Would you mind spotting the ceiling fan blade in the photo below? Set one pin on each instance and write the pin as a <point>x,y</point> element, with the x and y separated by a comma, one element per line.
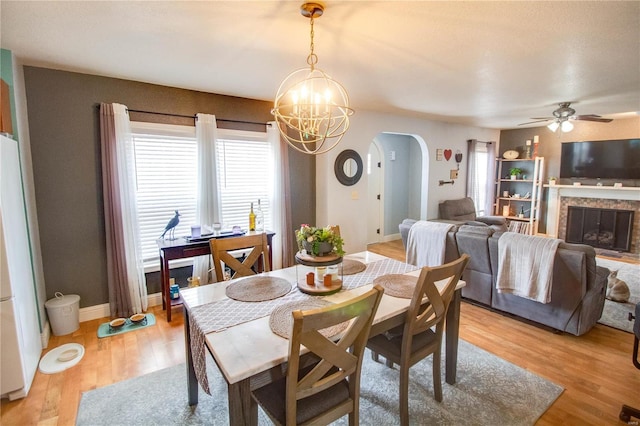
<point>592,117</point>
<point>537,121</point>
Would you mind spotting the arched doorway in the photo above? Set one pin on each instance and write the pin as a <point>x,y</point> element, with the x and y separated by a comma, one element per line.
<point>398,188</point>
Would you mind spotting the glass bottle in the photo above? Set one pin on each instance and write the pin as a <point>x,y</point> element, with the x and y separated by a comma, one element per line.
<point>252,219</point>
<point>259,218</point>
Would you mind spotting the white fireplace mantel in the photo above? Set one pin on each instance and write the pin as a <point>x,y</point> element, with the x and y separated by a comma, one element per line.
<point>582,191</point>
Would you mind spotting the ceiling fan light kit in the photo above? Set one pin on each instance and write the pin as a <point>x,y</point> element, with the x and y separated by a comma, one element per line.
<point>311,109</point>
<point>563,116</point>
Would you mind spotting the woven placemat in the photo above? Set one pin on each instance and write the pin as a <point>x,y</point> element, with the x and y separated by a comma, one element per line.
<point>281,320</point>
<point>397,285</point>
<point>258,289</point>
<point>350,266</point>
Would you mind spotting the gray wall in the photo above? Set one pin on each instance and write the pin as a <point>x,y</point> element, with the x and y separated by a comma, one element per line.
<point>551,143</point>
<point>65,146</point>
<point>402,180</point>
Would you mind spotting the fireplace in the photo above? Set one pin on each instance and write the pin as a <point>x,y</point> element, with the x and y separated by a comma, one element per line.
<point>602,228</point>
<point>561,197</point>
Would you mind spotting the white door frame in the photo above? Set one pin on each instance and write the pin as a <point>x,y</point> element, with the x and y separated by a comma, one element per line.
<point>376,207</point>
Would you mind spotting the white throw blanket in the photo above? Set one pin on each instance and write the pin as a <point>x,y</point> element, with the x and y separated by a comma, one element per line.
<point>525,265</point>
<point>426,243</point>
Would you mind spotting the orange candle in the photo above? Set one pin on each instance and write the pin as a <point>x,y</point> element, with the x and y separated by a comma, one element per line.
<point>327,280</point>
<point>310,278</point>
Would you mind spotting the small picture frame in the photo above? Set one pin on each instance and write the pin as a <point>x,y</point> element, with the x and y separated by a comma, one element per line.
<point>439,154</point>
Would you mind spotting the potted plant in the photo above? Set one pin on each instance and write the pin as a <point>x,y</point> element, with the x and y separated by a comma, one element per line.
<point>319,241</point>
<point>514,172</point>
<point>552,180</point>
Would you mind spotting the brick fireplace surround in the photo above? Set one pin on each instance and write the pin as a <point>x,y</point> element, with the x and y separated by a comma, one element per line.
<point>606,197</point>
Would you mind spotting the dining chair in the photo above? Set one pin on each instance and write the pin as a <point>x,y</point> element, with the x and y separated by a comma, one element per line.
<point>330,388</point>
<point>416,339</point>
<point>222,252</point>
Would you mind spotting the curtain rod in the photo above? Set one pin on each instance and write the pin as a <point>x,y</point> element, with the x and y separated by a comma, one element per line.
<point>471,140</point>
<point>193,117</point>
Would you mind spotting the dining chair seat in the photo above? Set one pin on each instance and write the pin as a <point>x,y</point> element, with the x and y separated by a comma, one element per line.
<point>391,342</point>
<point>273,401</point>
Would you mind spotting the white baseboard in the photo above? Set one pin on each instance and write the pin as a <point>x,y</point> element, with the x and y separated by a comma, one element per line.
<point>45,335</point>
<point>391,237</point>
<point>101,311</point>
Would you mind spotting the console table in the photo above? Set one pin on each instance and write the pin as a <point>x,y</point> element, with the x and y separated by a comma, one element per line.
<point>181,248</point>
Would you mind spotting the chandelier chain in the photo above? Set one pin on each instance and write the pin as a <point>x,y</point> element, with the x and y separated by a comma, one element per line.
<point>312,59</point>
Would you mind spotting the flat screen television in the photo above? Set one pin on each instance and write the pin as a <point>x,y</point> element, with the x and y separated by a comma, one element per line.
<point>609,159</point>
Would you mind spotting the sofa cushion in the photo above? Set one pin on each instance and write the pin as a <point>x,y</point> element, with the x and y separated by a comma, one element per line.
<point>462,209</point>
<point>478,274</point>
<point>485,230</point>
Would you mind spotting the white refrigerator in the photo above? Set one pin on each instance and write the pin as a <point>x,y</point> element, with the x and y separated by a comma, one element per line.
<point>20,344</point>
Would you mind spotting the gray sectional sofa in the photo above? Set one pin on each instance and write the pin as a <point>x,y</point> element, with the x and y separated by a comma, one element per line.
<point>578,286</point>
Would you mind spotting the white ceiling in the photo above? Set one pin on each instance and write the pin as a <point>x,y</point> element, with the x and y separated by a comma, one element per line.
<point>488,64</point>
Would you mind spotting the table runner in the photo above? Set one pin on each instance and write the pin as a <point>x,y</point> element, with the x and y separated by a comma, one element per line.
<point>219,315</point>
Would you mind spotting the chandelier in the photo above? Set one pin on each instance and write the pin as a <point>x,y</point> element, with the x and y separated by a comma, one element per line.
<point>311,109</point>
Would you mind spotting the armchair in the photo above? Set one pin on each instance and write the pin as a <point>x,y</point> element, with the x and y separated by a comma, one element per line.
<point>464,210</point>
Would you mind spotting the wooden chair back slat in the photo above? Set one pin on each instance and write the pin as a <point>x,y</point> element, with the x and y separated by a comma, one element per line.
<point>258,256</point>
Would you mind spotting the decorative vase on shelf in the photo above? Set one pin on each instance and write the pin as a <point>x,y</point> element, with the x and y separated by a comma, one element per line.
<point>513,177</point>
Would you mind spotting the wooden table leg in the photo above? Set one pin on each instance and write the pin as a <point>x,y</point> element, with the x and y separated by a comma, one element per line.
<point>166,299</point>
<point>163,275</point>
<point>192,381</point>
<point>451,336</point>
<point>243,410</point>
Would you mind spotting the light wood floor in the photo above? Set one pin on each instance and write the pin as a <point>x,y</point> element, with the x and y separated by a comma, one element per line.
<point>595,369</point>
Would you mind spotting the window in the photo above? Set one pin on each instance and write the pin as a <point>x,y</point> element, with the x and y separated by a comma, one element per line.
<point>166,159</point>
<point>478,191</point>
<point>166,176</point>
<point>245,174</point>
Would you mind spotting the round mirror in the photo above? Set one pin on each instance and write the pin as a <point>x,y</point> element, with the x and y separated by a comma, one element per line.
<point>348,167</point>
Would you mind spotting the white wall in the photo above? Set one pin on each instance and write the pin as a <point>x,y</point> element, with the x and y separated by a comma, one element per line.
<point>334,202</point>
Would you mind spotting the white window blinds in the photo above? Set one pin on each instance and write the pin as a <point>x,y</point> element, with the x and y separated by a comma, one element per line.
<point>245,176</point>
<point>166,176</point>
<point>166,179</point>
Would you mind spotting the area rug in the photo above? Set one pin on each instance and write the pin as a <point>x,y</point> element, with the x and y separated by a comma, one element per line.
<point>616,314</point>
<point>104,330</point>
<point>489,391</point>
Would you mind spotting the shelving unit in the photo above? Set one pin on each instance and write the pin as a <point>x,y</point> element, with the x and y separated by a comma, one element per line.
<point>531,184</point>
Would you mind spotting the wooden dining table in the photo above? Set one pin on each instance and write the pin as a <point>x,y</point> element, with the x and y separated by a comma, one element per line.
<point>249,355</point>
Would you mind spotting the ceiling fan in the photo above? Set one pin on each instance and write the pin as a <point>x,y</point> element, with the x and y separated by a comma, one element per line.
<point>563,114</point>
